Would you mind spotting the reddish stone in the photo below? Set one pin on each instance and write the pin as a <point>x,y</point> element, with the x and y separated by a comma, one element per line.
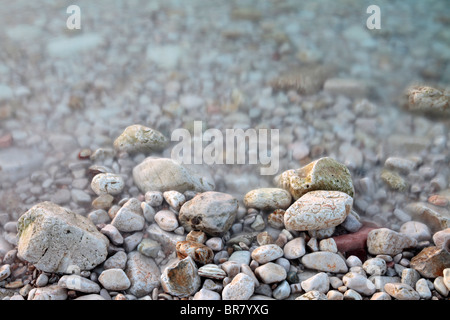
<point>356,240</point>
<point>6,141</point>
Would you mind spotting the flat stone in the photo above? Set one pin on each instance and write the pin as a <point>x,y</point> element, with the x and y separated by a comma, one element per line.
<point>143,273</point>
<point>436,218</point>
<point>386,241</point>
<point>318,282</point>
<point>401,291</point>
<point>241,257</point>
<point>211,212</point>
<point>140,139</point>
<point>78,283</point>
<point>53,238</point>
<point>270,273</point>
<point>164,174</point>
<point>324,261</point>
<point>442,239</point>
<point>114,279</point>
<point>129,218</point>
<point>267,253</point>
<point>268,199</point>
<point>322,174</point>
<point>181,279</point>
<point>240,288</point>
<point>295,248</point>
<point>107,183</point>
<point>318,210</point>
<point>431,262</point>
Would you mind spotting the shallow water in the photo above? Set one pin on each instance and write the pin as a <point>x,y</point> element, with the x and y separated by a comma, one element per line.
<point>165,64</point>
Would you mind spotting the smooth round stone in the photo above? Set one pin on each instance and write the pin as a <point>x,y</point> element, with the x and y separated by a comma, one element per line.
<point>268,199</point>
<point>114,279</point>
<point>270,273</point>
<point>295,248</point>
<point>318,282</point>
<point>5,271</point>
<point>78,283</point>
<point>140,139</point>
<point>117,261</point>
<point>440,286</point>
<point>335,295</point>
<point>380,296</point>
<point>215,243</point>
<point>107,183</point>
<point>174,198</point>
<point>351,294</point>
<point>266,253</point>
<point>318,210</point>
<point>416,230</point>
<point>354,261</point>
<point>166,220</point>
<point>375,266</point>
<point>212,271</point>
<point>422,289</point>
<point>387,241</point>
<point>324,261</point>
<point>359,283</point>
<point>113,234</point>
<point>446,275</point>
<point>401,291</point>
<point>240,288</point>
<point>154,198</point>
<point>328,245</point>
<point>241,257</point>
<point>149,247</point>
<point>282,291</point>
<point>206,294</point>
<point>130,217</point>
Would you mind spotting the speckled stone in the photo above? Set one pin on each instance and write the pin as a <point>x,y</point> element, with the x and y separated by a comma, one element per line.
<point>324,261</point>
<point>266,253</point>
<point>401,291</point>
<point>270,273</point>
<point>140,139</point>
<point>240,288</point>
<point>268,199</point>
<point>181,279</point>
<point>386,241</point>
<point>318,210</point>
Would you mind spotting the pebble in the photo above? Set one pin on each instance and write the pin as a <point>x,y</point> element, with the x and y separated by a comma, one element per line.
<point>282,291</point>
<point>42,280</point>
<point>91,296</point>
<point>270,273</point>
<point>441,238</point>
<point>422,289</point>
<point>400,164</point>
<point>143,273</point>
<point>154,198</point>
<point>430,262</point>
<point>181,278</point>
<point>322,174</point>
<point>416,230</point>
<point>351,294</point>
<point>240,288</point>
<point>200,253</point>
<point>241,257</point>
<point>215,243</point>
<point>78,283</point>
<point>268,199</point>
<point>393,180</point>
<point>267,253</point>
<point>5,271</point>
<point>212,271</point>
<point>324,261</point>
<point>318,210</point>
<point>410,277</point>
<point>386,241</point>
<point>114,279</point>
<point>351,223</point>
<point>99,216</point>
<point>446,277</point>
<point>328,245</point>
<point>359,283</point>
<point>148,212</point>
<point>80,197</point>
<point>61,196</point>
<point>401,291</point>
<point>53,292</point>
<point>140,139</point>
<point>380,296</point>
<point>129,218</point>
<point>113,234</point>
<point>232,268</point>
<point>276,219</point>
<point>295,248</point>
<point>131,242</point>
<point>334,295</point>
<point>103,201</point>
<point>107,183</point>
<point>312,295</point>
<point>205,294</point>
<point>353,261</point>
<point>149,248</point>
<point>166,220</point>
<point>210,212</point>
<point>438,200</point>
<point>440,286</point>
<point>375,266</point>
<point>175,199</point>
<point>116,261</point>
<point>318,282</point>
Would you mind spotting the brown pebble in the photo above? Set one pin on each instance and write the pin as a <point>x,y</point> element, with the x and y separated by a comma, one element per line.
<point>438,200</point>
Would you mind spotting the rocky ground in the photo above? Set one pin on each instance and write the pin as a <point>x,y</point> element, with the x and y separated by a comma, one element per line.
<point>87,211</point>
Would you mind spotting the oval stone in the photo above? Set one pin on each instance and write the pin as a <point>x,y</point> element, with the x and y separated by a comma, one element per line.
<point>268,199</point>
<point>324,261</point>
<point>266,253</point>
<point>318,210</point>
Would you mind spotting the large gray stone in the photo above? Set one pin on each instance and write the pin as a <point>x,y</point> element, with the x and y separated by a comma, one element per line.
<point>54,238</point>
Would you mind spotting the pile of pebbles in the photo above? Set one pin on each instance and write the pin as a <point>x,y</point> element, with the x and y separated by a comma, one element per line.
<point>179,239</point>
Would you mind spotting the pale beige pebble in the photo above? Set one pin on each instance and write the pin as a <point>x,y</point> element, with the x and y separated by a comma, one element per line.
<point>318,282</point>
<point>423,289</point>
<point>78,283</point>
<point>295,248</point>
<point>197,236</point>
<point>359,283</point>
<point>129,217</point>
<point>266,253</point>
<point>114,279</point>
<point>313,244</point>
<point>140,139</point>
<point>353,261</point>
<point>401,291</point>
<point>380,296</point>
<point>270,273</point>
<point>205,294</point>
<point>312,295</point>
<point>351,294</point>
<point>52,292</point>
<point>174,198</point>
<point>318,210</point>
<point>440,286</point>
<point>107,183</point>
<point>335,295</point>
<point>268,199</point>
<point>166,220</point>
<point>240,288</point>
<point>401,164</point>
<point>5,271</point>
<point>335,282</point>
<point>416,230</point>
<point>446,275</point>
<point>212,271</point>
<point>324,261</point>
<point>441,237</point>
<point>375,266</point>
<point>387,241</point>
<point>328,245</point>
<point>428,100</point>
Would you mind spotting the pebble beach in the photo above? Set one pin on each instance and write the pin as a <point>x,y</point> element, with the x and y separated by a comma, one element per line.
<point>94,207</point>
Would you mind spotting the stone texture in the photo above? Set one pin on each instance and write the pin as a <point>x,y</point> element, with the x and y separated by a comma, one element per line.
<point>428,100</point>
<point>324,261</point>
<point>168,240</point>
<point>53,292</point>
<point>386,241</point>
<point>422,289</point>
<point>431,262</point>
<point>211,212</point>
<point>359,283</point>
<point>198,252</point>
<point>166,220</point>
<point>107,183</point>
<point>53,238</point>
<point>212,271</point>
<point>312,295</point>
<point>78,283</point>
<point>240,288</point>
<point>267,253</point>
<point>375,266</point>
<point>322,174</point>
<point>181,278</point>
<point>295,248</point>
<point>143,273</point>
<point>318,210</point>
<point>140,139</point>
<point>164,174</point>
<point>268,199</point>
<point>270,273</point>
<point>129,218</point>
<point>416,230</point>
<point>401,291</point>
<point>434,217</point>
<point>442,239</point>
<point>114,279</point>
<point>318,282</point>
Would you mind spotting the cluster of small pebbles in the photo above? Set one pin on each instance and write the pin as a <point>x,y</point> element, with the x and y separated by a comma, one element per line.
<point>93,207</point>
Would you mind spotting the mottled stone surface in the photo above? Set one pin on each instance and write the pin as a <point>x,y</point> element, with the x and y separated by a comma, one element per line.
<point>431,262</point>
<point>322,174</point>
<point>240,288</point>
<point>268,199</point>
<point>324,261</point>
<point>181,279</point>
<point>143,273</point>
<point>137,138</point>
<point>198,252</point>
<point>318,210</point>
<point>387,241</point>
